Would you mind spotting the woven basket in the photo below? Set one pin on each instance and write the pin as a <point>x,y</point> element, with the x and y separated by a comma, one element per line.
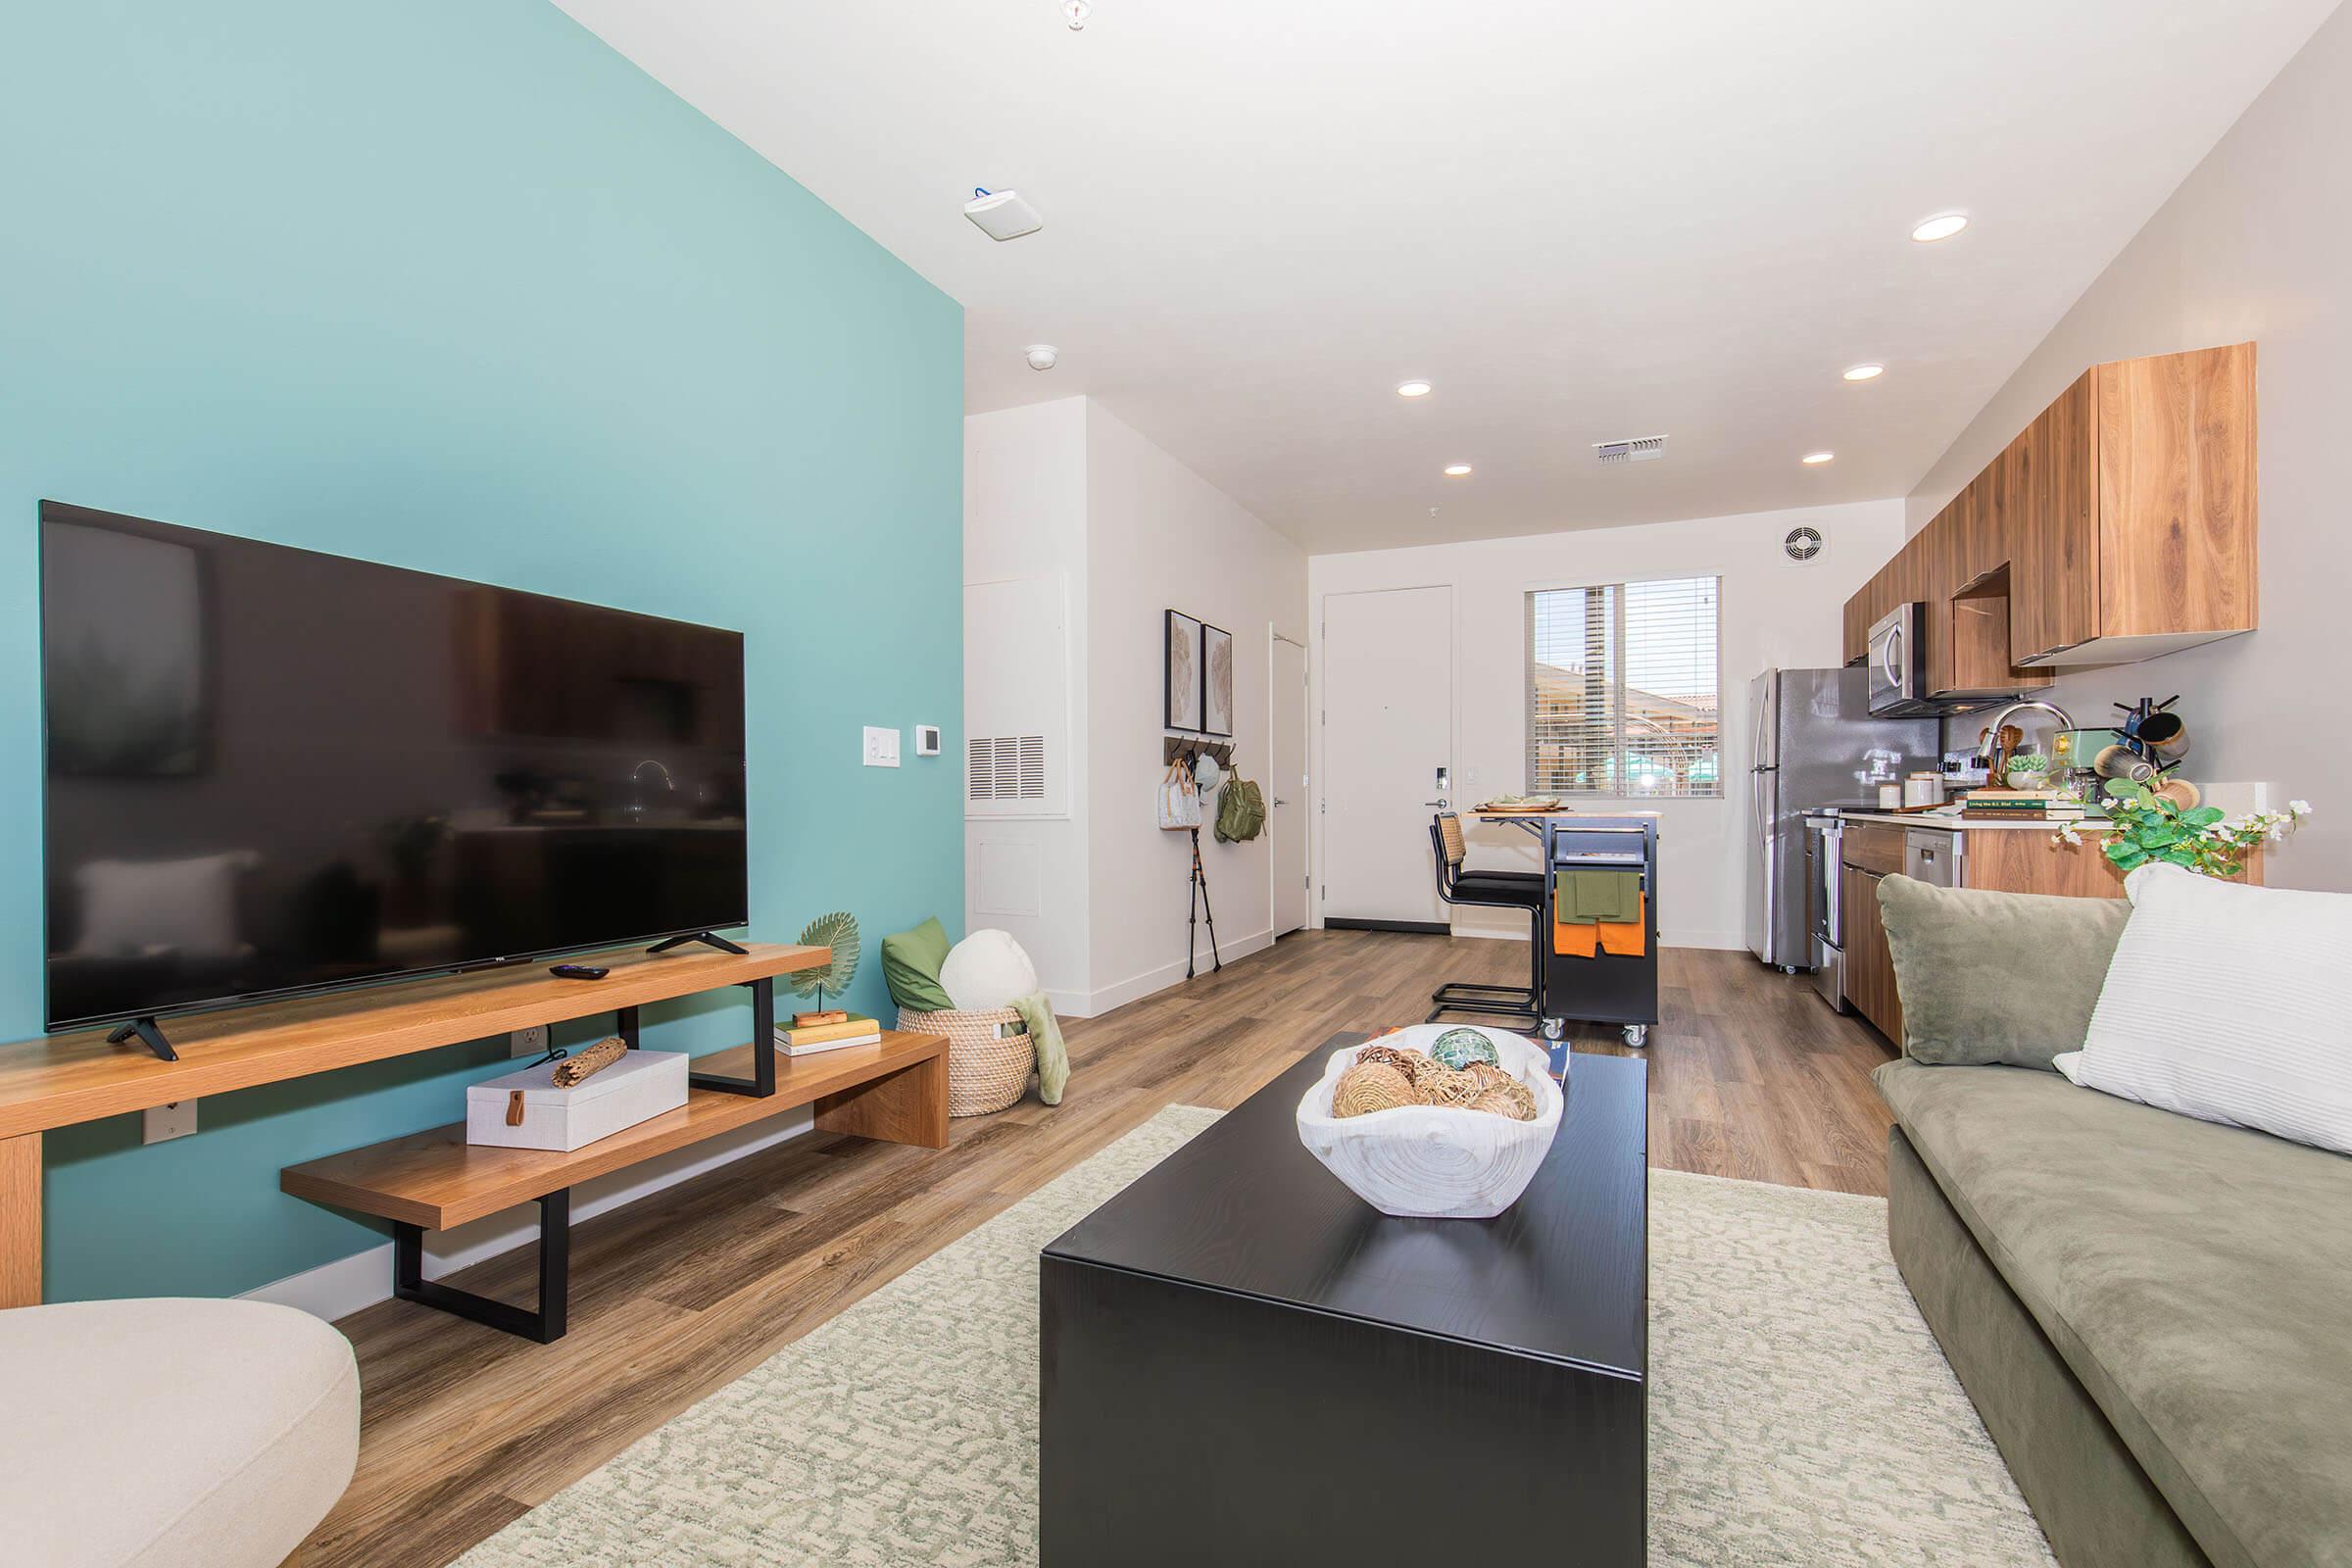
<point>986,1068</point>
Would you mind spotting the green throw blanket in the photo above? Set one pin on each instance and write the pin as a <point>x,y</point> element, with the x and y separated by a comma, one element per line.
<point>1581,898</point>
<point>1053,1057</point>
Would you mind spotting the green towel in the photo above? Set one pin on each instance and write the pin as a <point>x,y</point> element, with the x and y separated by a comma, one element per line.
<point>1581,897</point>
<point>1053,1057</point>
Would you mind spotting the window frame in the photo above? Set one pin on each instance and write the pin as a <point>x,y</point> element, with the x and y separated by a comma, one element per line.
<point>1620,652</point>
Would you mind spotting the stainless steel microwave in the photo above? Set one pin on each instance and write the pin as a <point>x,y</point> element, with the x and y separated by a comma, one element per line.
<point>1898,670</point>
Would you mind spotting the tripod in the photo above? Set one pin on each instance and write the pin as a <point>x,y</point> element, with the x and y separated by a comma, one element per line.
<point>1195,907</point>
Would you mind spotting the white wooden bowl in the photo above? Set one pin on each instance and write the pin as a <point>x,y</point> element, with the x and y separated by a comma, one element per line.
<point>1435,1161</point>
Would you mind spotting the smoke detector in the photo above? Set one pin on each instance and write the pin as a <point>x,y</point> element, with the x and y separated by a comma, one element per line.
<point>1634,449</point>
<point>1002,215</point>
<point>1803,543</point>
<point>1042,356</point>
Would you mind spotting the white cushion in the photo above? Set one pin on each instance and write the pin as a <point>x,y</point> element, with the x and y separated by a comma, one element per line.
<point>2227,1004</point>
<point>194,1433</point>
<point>985,971</point>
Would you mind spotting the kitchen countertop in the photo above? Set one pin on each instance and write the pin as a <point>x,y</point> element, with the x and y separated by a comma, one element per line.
<point>1954,824</point>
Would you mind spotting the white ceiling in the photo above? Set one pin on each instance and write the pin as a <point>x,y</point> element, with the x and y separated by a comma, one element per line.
<point>1581,221</point>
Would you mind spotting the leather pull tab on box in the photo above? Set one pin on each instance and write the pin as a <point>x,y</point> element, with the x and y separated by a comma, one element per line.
<point>514,1108</point>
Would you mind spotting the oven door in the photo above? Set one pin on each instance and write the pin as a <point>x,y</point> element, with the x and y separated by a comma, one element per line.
<point>1825,852</point>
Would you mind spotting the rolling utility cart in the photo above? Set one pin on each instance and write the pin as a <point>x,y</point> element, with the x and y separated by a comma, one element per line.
<point>1619,988</point>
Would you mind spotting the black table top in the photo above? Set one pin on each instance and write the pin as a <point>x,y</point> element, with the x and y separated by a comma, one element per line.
<point>1561,1274</point>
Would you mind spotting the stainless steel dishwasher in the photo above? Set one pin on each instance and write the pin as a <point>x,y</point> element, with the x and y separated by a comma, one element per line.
<point>1934,856</point>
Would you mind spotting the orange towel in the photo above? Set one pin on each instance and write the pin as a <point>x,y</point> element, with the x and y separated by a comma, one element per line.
<point>1576,941</point>
<point>1626,938</point>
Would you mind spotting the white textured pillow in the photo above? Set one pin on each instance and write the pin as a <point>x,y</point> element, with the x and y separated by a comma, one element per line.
<point>143,909</point>
<point>2228,1004</point>
<point>985,971</point>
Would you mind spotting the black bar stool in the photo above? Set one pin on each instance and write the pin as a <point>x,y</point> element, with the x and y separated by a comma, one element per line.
<point>1502,890</point>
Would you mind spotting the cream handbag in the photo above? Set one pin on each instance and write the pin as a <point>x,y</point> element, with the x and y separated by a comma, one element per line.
<point>1179,800</point>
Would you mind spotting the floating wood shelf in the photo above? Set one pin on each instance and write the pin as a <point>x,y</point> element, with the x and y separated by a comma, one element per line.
<point>435,1179</point>
<point>78,1077</point>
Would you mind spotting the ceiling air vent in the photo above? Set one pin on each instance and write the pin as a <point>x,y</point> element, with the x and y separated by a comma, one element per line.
<point>1802,544</point>
<point>1634,449</point>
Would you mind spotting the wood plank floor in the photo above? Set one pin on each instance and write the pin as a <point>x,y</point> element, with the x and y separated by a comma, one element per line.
<point>463,1428</point>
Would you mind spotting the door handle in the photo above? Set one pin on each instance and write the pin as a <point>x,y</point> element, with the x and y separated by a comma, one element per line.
<point>1279,800</point>
<point>1440,800</point>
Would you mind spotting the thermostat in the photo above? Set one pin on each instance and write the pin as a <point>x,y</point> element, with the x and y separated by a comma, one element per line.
<point>926,740</point>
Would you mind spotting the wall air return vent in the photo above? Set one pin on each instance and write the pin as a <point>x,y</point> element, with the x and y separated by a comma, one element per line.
<point>1634,449</point>
<point>1005,767</point>
<point>1803,543</point>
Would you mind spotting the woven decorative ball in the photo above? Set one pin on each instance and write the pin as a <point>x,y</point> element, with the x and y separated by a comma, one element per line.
<point>1411,1063</point>
<point>1370,1086</point>
<point>1460,1048</point>
<point>1442,1086</point>
<point>1513,1099</point>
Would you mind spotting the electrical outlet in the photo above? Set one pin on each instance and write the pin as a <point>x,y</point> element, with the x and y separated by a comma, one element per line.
<point>531,1042</point>
<point>163,1123</point>
<point>881,747</point>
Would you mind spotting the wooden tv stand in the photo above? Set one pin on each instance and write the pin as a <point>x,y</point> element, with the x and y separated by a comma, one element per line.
<point>74,1078</point>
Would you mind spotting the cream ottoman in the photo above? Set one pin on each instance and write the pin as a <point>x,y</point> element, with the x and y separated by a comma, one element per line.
<point>170,1434</point>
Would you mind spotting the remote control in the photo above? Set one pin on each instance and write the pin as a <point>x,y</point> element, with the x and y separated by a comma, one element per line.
<point>578,971</point>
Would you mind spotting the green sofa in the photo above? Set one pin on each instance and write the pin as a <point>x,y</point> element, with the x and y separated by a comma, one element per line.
<point>2153,1314</point>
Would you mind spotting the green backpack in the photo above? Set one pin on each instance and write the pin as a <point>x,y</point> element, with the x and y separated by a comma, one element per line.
<point>1240,811</point>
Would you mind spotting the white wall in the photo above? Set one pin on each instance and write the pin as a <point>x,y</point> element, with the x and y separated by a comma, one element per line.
<point>2256,243</point>
<point>1159,537</point>
<point>1774,615</point>
<point>1024,516</point>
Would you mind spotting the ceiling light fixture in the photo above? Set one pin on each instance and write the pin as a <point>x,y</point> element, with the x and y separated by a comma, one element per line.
<point>1943,225</point>
<point>1042,356</point>
<point>1817,459</point>
<point>1412,389</point>
<point>1864,372</point>
<point>1454,470</point>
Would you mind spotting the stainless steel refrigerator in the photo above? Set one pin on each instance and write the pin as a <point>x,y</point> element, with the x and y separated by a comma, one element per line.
<point>1815,745</point>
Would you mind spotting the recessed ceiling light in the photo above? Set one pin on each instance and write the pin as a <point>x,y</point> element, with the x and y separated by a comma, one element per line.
<point>1412,389</point>
<point>1819,457</point>
<point>1454,470</point>
<point>1943,225</point>
<point>1864,372</point>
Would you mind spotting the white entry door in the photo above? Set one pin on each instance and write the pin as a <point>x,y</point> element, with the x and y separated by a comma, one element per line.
<point>1286,784</point>
<point>1388,737</point>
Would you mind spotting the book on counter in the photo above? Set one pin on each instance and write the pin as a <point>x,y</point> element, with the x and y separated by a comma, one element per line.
<point>806,1040</point>
<point>2022,806</point>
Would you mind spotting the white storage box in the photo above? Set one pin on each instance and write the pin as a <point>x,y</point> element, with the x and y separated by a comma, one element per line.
<point>640,1086</point>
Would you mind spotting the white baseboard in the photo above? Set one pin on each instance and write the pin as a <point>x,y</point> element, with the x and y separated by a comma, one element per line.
<point>1718,941</point>
<point>1143,985</point>
<point>1071,1004</point>
<point>343,1287</point>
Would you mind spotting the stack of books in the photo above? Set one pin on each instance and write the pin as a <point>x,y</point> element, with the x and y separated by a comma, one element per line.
<point>2001,804</point>
<point>812,1031</point>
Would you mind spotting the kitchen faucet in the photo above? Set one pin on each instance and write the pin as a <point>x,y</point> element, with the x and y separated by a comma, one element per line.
<point>1996,764</point>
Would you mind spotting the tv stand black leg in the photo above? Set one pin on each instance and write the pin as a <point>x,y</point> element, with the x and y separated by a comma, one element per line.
<point>707,938</point>
<point>545,1324</point>
<point>149,1034</point>
<point>762,1081</point>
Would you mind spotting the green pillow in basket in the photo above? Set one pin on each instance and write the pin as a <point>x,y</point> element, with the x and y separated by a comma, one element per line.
<point>910,962</point>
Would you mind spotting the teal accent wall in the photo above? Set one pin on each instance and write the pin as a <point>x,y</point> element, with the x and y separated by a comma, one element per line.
<point>450,284</point>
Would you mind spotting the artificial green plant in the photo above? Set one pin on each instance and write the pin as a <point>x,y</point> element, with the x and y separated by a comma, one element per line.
<point>2202,838</point>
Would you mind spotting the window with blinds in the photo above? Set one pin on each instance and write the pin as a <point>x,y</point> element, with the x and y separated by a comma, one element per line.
<point>1622,685</point>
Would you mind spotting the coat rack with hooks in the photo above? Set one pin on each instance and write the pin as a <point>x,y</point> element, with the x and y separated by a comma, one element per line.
<point>1190,748</point>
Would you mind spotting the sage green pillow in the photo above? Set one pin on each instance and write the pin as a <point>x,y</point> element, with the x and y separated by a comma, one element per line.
<point>2006,978</point>
<point>911,961</point>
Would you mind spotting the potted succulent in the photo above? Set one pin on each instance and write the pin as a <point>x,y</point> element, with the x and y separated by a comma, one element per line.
<point>2202,838</point>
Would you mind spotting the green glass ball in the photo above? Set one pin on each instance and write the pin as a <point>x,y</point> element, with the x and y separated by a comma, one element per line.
<point>1460,1048</point>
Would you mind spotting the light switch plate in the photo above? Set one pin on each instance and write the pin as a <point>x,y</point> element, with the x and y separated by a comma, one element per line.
<point>160,1124</point>
<point>881,747</point>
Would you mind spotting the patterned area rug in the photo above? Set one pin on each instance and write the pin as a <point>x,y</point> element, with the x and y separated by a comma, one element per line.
<point>1799,1411</point>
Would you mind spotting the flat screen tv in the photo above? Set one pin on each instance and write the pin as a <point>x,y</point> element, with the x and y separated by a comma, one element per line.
<point>271,772</point>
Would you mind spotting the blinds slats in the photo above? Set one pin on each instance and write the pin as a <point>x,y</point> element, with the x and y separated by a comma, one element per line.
<point>1623,686</point>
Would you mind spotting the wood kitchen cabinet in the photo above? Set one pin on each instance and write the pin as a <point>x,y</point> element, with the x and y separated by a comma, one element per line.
<point>2118,526</point>
<point>1869,967</point>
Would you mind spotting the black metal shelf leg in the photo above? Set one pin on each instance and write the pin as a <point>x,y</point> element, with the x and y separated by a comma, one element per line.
<point>546,1325</point>
<point>762,1082</point>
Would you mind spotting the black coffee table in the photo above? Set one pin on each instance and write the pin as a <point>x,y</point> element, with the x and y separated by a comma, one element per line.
<point>1243,1362</point>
